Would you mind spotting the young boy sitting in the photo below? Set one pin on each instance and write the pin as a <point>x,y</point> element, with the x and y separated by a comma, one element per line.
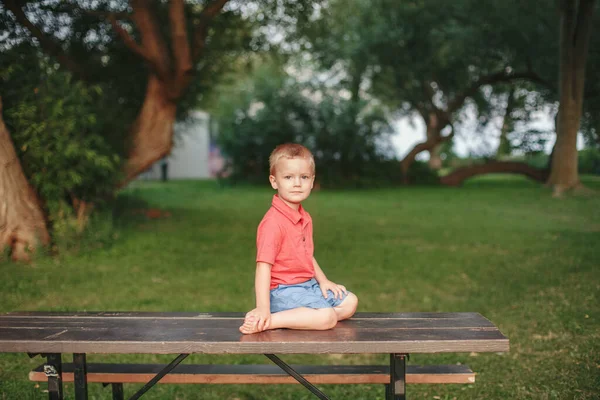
<point>291,289</point>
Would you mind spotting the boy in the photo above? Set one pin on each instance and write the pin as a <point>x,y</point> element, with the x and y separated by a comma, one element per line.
<point>291,289</point>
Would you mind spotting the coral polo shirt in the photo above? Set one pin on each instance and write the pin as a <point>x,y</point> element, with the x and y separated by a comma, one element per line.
<point>285,240</point>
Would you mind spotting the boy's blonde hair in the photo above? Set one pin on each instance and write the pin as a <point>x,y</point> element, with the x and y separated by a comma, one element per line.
<point>290,150</point>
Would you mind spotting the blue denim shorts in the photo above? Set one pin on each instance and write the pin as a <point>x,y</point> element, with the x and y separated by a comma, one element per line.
<point>304,294</point>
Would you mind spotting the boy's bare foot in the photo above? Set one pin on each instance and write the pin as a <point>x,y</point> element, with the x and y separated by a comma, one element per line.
<point>250,325</point>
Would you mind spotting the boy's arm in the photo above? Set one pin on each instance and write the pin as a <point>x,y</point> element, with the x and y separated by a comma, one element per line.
<point>326,284</point>
<point>319,274</point>
<point>262,289</point>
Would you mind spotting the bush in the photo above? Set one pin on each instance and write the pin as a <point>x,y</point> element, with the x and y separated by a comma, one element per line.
<point>65,150</point>
<point>349,140</point>
<point>420,173</point>
<point>589,161</point>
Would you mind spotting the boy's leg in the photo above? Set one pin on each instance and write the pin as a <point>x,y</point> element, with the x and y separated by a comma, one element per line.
<point>297,318</point>
<point>347,308</point>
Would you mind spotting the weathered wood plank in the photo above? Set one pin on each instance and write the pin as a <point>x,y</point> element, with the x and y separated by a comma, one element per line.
<point>263,374</point>
<point>207,324</point>
<point>226,315</point>
<point>225,341</point>
<point>172,333</point>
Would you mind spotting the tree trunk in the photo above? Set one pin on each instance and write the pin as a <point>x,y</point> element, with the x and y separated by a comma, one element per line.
<point>22,222</point>
<point>458,176</point>
<point>434,140</point>
<point>435,159</point>
<point>575,32</point>
<point>434,129</point>
<point>504,148</point>
<point>152,132</point>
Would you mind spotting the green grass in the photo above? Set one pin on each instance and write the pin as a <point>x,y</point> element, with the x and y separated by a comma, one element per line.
<point>499,245</point>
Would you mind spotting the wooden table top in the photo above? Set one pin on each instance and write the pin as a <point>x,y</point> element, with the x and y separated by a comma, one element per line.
<point>217,333</point>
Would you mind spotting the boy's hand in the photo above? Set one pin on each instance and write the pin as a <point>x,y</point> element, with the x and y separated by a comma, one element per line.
<point>263,318</point>
<point>338,290</point>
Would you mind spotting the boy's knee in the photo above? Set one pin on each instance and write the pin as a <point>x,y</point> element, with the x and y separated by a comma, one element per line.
<point>352,303</point>
<point>328,318</point>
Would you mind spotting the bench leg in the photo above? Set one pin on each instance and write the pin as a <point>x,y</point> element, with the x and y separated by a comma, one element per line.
<point>117,391</point>
<point>53,370</point>
<point>80,376</point>
<point>313,389</point>
<point>159,376</point>
<point>397,386</point>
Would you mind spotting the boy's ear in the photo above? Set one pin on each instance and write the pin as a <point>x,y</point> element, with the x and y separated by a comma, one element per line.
<point>273,182</point>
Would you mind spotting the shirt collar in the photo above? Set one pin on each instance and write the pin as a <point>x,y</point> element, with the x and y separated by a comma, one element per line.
<point>289,212</point>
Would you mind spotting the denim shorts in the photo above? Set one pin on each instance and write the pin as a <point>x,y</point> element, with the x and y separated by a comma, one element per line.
<point>304,294</point>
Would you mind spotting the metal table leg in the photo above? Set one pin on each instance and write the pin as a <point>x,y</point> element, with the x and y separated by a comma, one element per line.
<point>297,376</point>
<point>159,376</point>
<point>397,387</point>
<point>80,376</point>
<point>53,370</point>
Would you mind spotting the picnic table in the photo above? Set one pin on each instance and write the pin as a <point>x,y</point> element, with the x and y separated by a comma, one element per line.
<point>52,334</point>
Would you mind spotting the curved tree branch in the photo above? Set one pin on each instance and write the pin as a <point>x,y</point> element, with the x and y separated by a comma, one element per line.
<point>457,177</point>
<point>153,43</point>
<point>127,39</point>
<point>429,144</point>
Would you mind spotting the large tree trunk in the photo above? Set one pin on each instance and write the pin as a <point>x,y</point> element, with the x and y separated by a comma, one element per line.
<point>152,132</point>
<point>22,222</point>
<point>458,176</point>
<point>435,159</point>
<point>434,140</point>
<point>575,31</point>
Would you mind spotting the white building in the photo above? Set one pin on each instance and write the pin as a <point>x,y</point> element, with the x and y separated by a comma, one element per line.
<point>194,154</point>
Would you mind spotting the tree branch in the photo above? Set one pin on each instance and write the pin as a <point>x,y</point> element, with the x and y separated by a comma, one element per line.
<point>180,45</point>
<point>51,46</point>
<point>212,9</point>
<point>491,79</point>
<point>201,31</point>
<point>456,177</point>
<point>152,42</point>
<point>127,39</point>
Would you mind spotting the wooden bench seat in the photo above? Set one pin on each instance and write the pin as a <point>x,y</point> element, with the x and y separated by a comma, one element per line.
<point>262,374</point>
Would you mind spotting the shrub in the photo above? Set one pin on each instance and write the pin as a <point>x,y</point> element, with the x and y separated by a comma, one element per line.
<point>65,149</point>
<point>420,173</point>
<point>350,140</point>
<point>589,161</point>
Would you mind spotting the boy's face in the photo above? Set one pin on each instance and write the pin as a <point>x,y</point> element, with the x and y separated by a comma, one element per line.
<point>293,180</point>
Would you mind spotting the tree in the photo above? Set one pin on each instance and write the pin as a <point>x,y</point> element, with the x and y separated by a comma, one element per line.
<point>170,61</point>
<point>158,58</point>
<point>434,58</point>
<point>575,32</point>
<point>63,147</point>
<point>22,224</point>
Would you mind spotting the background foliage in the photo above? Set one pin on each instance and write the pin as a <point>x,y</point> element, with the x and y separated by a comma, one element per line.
<point>68,150</point>
<point>351,140</point>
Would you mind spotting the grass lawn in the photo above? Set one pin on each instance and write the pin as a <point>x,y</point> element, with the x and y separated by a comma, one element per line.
<point>500,246</point>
